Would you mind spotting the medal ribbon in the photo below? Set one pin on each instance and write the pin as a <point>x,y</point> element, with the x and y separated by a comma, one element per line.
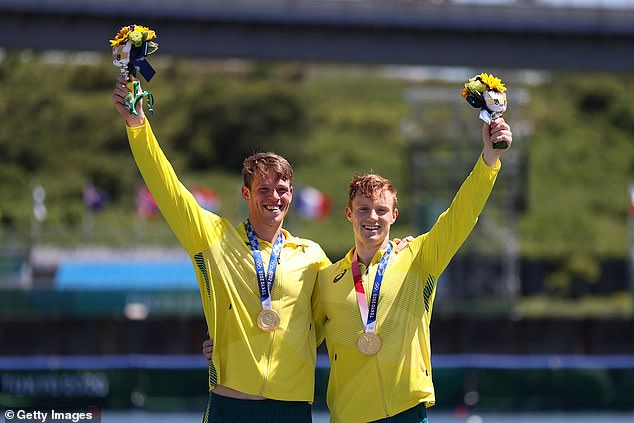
<point>138,61</point>
<point>368,314</point>
<point>265,281</point>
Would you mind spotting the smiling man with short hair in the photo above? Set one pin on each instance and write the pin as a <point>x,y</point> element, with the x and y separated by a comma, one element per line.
<point>256,282</point>
<point>378,305</point>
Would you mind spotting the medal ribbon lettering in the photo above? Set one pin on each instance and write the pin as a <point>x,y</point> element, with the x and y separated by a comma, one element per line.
<point>368,315</point>
<point>265,281</point>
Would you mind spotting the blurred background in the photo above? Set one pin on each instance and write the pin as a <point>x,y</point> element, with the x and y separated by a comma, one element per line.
<point>533,319</point>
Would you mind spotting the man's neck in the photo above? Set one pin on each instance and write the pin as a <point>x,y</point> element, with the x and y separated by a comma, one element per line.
<point>266,233</point>
<point>367,252</point>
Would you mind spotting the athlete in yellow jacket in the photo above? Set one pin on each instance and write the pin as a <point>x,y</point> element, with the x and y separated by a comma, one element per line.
<point>262,368</point>
<point>378,305</point>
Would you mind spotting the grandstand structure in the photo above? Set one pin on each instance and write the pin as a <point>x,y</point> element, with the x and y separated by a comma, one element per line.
<point>444,141</point>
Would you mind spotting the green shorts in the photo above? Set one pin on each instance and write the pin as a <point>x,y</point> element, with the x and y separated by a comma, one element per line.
<point>416,414</point>
<point>225,409</point>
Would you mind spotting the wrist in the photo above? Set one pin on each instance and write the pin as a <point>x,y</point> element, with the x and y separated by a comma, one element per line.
<point>490,158</point>
<point>134,121</point>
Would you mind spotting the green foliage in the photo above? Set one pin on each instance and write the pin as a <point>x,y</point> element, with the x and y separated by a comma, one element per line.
<point>581,164</point>
<point>615,306</point>
<point>233,123</point>
<point>61,130</point>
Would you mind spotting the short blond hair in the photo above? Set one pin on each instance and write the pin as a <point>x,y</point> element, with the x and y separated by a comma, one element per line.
<point>370,185</point>
<point>263,163</point>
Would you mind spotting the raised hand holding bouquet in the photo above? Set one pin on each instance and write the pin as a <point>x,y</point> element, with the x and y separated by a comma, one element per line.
<point>487,93</point>
<point>130,47</point>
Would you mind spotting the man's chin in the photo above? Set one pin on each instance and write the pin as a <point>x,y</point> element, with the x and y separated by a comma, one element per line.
<point>276,218</point>
<point>373,238</point>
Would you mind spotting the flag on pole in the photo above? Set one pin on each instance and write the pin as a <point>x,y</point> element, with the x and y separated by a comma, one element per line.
<point>311,203</point>
<point>206,198</point>
<point>632,200</point>
<point>145,204</point>
<point>95,198</point>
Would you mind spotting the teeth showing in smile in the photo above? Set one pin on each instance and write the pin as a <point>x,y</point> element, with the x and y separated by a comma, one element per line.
<point>371,228</point>
<point>272,208</point>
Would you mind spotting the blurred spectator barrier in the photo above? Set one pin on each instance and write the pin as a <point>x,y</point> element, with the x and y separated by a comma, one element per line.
<point>179,382</point>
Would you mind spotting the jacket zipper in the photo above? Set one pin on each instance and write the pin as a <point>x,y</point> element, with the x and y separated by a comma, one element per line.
<point>378,370</point>
<point>276,284</point>
<point>268,362</point>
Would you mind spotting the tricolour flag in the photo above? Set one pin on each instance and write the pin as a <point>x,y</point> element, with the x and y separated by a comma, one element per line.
<point>145,204</point>
<point>312,203</point>
<point>206,198</point>
<point>632,199</point>
<point>95,198</point>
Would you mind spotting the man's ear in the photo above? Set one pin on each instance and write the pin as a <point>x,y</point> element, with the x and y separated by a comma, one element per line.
<point>349,213</point>
<point>246,194</point>
<point>394,215</point>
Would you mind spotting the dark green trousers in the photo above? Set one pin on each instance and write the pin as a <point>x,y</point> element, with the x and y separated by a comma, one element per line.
<point>223,409</point>
<point>416,414</point>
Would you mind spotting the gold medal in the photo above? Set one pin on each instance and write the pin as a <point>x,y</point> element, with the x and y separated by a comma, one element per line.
<point>369,343</point>
<point>268,320</point>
